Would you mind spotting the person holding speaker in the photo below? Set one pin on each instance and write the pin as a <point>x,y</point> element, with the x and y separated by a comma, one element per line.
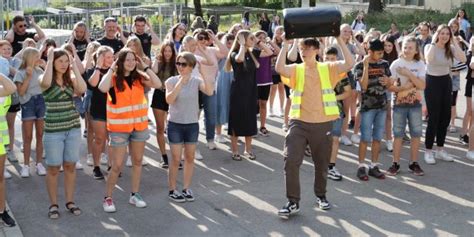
<point>314,108</point>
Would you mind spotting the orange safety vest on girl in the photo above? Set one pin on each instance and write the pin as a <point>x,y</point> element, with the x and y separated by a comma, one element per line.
<point>130,110</point>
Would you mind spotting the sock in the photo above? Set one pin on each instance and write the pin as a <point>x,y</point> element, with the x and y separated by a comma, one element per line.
<point>171,192</point>
<point>331,165</point>
<point>132,193</point>
<point>373,164</point>
<point>361,164</point>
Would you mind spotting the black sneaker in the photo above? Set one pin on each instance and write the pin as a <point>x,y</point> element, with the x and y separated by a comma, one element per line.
<point>464,139</point>
<point>394,169</point>
<point>97,173</point>
<point>164,164</point>
<point>351,124</point>
<point>416,169</point>
<point>180,167</point>
<point>7,219</point>
<point>188,195</point>
<point>176,196</point>
<point>375,172</point>
<point>362,174</point>
<point>289,208</point>
<point>323,203</point>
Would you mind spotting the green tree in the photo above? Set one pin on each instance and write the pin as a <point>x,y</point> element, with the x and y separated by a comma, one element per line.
<point>197,8</point>
<point>375,6</point>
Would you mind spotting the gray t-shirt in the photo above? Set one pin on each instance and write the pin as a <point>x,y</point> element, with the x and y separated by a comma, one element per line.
<point>186,107</point>
<point>352,49</point>
<point>440,65</point>
<point>33,86</point>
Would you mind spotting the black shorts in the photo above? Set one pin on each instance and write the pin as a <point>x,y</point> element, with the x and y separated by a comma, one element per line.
<point>287,91</point>
<point>159,100</point>
<point>263,92</point>
<point>276,79</point>
<point>454,98</point>
<point>468,90</point>
<point>14,108</point>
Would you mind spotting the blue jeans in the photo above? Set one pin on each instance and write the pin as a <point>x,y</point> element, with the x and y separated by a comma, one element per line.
<point>336,130</point>
<point>60,147</point>
<point>34,109</point>
<point>123,139</point>
<point>372,124</point>
<point>179,133</point>
<point>210,115</point>
<point>411,114</point>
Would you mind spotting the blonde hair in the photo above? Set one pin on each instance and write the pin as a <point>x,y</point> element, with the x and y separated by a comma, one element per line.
<point>235,48</point>
<point>138,46</point>
<point>28,56</point>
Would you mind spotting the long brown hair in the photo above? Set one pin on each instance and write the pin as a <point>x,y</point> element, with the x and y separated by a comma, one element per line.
<point>412,39</point>
<point>67,75</point>
<point>163,65</point>
<point>447,47</point>
<point>120,74</point>
<point>236,47</point>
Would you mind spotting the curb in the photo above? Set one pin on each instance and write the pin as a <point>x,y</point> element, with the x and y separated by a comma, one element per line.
<point>14,231</point>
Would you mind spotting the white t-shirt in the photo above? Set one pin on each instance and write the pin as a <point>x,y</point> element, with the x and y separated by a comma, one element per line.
<point>411,97</point>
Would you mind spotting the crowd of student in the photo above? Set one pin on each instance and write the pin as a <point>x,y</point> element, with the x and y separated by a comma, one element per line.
<point>375,83</point>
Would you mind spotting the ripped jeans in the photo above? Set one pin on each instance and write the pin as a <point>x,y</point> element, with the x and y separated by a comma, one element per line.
<point>123,138</point>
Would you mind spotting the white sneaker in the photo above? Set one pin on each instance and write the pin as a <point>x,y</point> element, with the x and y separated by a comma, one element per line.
<point>355,139</point>
<point>285,127</point>
<point>270,113</point>
<point>25,171</point>
<point>470,155</point>
<point>103,159</point>
<point>144,162</point>
<point>220,138</point>
<point>40,170</point>
<point>90,160</point>
<point>108,205</point>
<point>282,113</point>
<point>429,158</point>
<point>443,155</point>
<point>129,162</point>
<point>79,166</point>
<point>137,200</point>
<point>197,155</point>
<point>346,141</point>
<point>389,145</point>
<point>452,129</point>
<point>211,145</point>
<point>226,126</point>
<point>6,174</point>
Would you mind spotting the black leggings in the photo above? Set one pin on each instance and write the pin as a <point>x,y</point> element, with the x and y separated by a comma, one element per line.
<point>438,102</point>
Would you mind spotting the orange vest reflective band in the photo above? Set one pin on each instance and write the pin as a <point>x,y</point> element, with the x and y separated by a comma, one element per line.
<point>130,111</point>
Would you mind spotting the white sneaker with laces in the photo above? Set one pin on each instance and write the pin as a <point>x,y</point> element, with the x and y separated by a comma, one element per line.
<point>108,205</point>
<point>25,171</point>
<point>197,155</point>
<point>6,174</point>
<point>470,155</point>
<point>429,157</point>
<point>355,139</point>
<point>89,160</point>
<point>211,145</point>
<point>346,141</point>
<point>103,159</point>
<point>389,145</point>
<point>79,166</point>
<point>40,170</point>
<point>137,200</point>
<point>443,155</point>
<point>220,138</point>
<point>129,162</point>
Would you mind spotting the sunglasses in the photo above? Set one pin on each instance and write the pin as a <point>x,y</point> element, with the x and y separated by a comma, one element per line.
<point>202,37</point>
<point>180,64</point>
<point>22,26</point>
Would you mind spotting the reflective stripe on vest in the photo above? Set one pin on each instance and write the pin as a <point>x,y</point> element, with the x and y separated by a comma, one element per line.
<point>327,93</point>
<point>130,110</point>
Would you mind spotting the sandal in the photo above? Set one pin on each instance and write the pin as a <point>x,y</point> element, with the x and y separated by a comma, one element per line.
<point>53,212</point>
<point>236,157</point>
<point>250,155</point>
<point>72,208</point>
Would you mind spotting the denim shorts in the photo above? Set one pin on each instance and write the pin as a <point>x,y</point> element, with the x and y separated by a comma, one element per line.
<point>183,133</point>
<point>337,127</point>
<point>372,124</point>
<point>411,114</point>
<point>124,138</point>
<point>78,103</point>
<point>34,109</point>
<point>60,147</point>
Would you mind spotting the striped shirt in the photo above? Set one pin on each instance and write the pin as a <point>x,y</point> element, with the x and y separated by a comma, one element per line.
<point>61,114</point>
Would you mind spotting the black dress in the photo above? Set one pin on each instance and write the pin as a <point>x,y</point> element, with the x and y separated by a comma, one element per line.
<point>243,96</point>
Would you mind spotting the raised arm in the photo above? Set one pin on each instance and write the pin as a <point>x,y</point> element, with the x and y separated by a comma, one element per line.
<point>221,49</point>
<point>152,80</point>
<point>364,80</point>
<point>78,82</point>
<point>8,87</point>
<point>172,91</point>
<point>10,35</point>
<point>206,87</point>
<point>240,57</point>
<point>293,53</point>
<point>39,32</point>
<point>348,63</point>
<point>106,82</point>
<point>266,51</point>
<point>280,66</point>
<point>155,40</point>
<point>47,78</point>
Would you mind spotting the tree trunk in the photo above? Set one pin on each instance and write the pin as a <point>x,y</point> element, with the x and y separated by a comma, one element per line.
<point>197,8</point>
<point>375,6</point>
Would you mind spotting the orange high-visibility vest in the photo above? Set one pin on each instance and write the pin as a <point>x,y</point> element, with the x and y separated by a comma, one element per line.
<point>130,111</point>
